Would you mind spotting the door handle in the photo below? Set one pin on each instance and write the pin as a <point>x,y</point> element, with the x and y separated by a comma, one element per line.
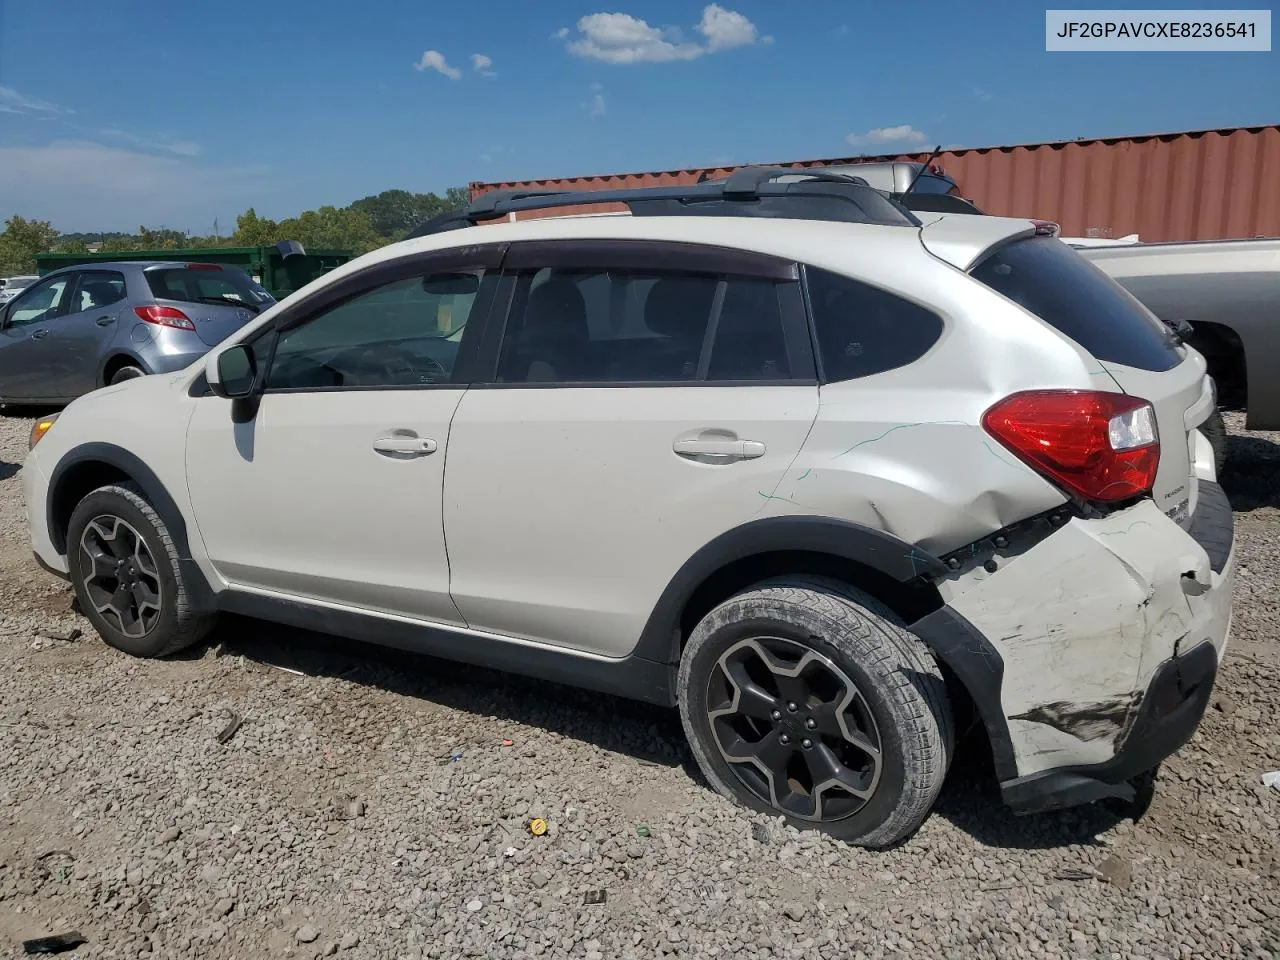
<point>39,334</point>
<point>103,321</point>
<point>405,446</point>
<point>732,449</point>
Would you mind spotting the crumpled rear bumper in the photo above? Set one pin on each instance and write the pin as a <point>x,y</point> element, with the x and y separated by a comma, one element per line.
<point>1091,652</point>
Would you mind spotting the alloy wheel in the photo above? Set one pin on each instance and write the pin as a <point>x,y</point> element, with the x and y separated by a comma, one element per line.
<point>794,728</point>
<point>121,579</point>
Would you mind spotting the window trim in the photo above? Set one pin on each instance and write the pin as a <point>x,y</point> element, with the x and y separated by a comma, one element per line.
<point>823,378</point>
<point>656,256</point>
<point>49,280</point>
<point>80,279</point>
<point>484,257</point>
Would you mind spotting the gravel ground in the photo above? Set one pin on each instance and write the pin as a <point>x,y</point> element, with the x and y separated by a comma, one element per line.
<point>373,804</point>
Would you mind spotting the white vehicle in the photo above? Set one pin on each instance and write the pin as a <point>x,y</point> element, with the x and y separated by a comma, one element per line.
<point>776,454</point>
<point>10,287</point>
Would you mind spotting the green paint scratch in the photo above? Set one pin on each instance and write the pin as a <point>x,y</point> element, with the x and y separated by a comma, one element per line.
<point>803,475</point>
<point>903,426</point>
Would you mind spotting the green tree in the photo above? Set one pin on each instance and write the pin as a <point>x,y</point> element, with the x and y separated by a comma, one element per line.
<point>394,213</point>
<point>331,228</point>
<point>455,198</point>
<point>21,241</point>
<point>255,231</point>
<point>161,239</point>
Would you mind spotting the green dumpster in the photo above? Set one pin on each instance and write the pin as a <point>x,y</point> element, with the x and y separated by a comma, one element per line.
<point>282,269</point>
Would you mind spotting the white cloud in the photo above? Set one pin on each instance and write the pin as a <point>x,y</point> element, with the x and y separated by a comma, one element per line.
<point>11,101</point>
<point>981,94</point>
<point>597,107</point>
<point>434,60</point>
<point>726,29</point>
<point>182,148</point>
<point>885,135</point>
<point>622,38</point>
<point>481,64</point>
<point>82,185</point>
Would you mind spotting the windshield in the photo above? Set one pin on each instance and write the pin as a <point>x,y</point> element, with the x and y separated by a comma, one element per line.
<point>208,285</point>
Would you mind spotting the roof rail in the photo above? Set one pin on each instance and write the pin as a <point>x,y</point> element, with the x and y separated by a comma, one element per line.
<point>748,192</point>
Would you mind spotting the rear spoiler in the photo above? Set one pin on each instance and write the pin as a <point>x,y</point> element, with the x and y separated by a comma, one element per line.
<point>963,240</point>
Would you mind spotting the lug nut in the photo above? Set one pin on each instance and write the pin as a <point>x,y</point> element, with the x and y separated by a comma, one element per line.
<point>791,707</point>
<point>811,723</point>
<point>777,714</point>
<point>784,739</point>
<point>806,743</point>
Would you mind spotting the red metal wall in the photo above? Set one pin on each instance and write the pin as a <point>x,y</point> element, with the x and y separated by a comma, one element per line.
<point>1203,185</point>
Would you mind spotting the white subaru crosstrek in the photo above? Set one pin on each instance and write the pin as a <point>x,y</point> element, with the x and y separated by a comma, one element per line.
<point>777,454</point>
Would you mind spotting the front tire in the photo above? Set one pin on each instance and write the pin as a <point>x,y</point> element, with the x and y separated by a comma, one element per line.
<point>126,576</point>
<point>805,698</point>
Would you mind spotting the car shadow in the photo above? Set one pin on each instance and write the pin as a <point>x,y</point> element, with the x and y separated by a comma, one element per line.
<point>8,469</point>
<point>971,802</point>
<point>1249,477</point>
<point>651,734</point>
<point>646,732</point>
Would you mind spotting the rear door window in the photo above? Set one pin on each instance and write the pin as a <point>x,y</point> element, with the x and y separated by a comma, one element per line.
<point>863,330</point>
<point>1048,278</point>
<point>97,289</point>
<point>640,326</point>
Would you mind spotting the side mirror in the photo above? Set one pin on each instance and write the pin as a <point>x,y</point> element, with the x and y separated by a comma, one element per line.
<point>232,373</point>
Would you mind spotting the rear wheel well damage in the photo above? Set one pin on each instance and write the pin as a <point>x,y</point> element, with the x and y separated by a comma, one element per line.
<point>971,668</point>
<point>910,601</point>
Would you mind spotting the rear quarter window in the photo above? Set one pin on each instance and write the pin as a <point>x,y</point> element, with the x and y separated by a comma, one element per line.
<point>1048,278</point>
<point>863,330</point>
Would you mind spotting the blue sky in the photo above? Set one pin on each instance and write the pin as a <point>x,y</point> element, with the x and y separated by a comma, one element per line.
<point>116,114</point>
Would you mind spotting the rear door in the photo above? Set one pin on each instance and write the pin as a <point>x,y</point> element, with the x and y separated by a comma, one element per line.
<point>71,356</point>
<point>1133,348</point>
<point>645,398</point>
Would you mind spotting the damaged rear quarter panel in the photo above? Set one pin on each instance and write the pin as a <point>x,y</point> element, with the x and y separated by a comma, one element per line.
<point>1082,620</point>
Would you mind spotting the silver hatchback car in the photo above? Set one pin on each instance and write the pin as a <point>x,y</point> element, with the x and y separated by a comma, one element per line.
<point>84,327</point>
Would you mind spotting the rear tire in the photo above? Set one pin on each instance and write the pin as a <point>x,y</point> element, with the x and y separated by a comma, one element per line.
<point>126,576</point>
<point>766,737</point>
<point>1215,431</point>
<point>126,373</point>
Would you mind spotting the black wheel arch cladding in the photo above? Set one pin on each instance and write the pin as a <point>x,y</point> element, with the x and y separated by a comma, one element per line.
<point>112,463</point>
<point>89,457</point>
<point>882,552</point>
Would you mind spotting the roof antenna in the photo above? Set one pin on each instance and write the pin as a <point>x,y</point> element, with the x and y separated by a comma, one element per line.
<point>923,167</point>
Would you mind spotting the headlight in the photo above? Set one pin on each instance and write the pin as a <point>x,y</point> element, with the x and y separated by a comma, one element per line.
<point>40,428</point>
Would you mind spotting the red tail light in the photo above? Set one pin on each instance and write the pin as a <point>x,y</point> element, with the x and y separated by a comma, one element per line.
<point>165,317</point>
<point>1046,228</point>
<point>1101,446</point>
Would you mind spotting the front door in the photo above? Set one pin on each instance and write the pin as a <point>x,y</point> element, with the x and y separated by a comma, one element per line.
<point>332,491</point>
<point>637,413</point>
<point>24,348</point>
